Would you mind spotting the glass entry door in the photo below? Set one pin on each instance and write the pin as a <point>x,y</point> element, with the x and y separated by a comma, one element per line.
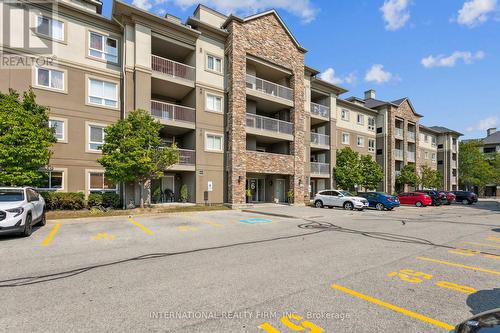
<point>257,188</point>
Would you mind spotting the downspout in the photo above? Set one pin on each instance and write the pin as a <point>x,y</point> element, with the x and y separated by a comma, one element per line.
<point>123,96</point>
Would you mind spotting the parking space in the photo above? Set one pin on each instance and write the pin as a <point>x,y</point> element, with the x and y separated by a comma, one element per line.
<point>267,269</point>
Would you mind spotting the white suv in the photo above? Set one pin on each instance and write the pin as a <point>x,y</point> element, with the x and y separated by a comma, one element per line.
<point>20,209</point>
<point>335,198</point>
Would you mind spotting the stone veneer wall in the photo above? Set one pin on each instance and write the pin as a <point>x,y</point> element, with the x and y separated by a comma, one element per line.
<point>266,38</point>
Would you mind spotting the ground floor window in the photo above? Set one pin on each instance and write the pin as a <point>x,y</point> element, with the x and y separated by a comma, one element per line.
<point>52,180</point>
<point>99,183</point>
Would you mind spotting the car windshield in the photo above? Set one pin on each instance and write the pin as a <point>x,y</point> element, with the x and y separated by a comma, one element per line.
<point>11,195</point>
<point>346,193</point>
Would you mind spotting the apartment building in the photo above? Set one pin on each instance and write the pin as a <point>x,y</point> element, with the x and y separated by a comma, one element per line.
<point>447,156</point>
<point>252,122</point>
<point>490,145</point>
<point>428,147</point>
<point>81,85</point>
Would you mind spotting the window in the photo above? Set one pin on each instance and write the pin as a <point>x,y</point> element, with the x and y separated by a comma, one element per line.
<point>214,63</point>
<point>103,47</point>
<point>440,146</point>
<point>213,103</point>
<point>103,93</point>
<point>371,145</point>
<point>50,27</point>
<point>371,123</point>
<point>50,78</point>
<point>58,126</point>
<point>361,119</point>
<point>434,141</point>
<point>361,141</point>
<point>433,157</point>
<point>440,162</point>
<point>99,183</point>
<point>213,142</point>
<point>344,114</point>
<point>426,138</point>
<point>380,151</point>
<point>96,137</point>
<point>345,138</point>
<point>379,130</point>
<point>52,180</point>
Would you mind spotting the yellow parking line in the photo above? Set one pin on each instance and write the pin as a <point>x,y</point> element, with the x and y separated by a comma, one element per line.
<point>140,226</point>
<point>47,240</point>
<point>490,271</point>
<point>393,307</point>
<point>483,244</point>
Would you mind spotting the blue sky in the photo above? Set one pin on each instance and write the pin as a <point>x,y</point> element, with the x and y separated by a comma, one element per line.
<point>443,55</point>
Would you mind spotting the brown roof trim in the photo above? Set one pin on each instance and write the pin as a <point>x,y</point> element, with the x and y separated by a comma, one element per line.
<point>193,21</point>
<point>337,89</point>
<point>354,105</point>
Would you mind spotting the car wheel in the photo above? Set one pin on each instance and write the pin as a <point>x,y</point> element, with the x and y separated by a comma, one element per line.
<point>43,220</point>
<point>348,205</point>
<point>379,206</point>
<point>465,202</point>
<point>27,226</point>
<point>318,204</point>
<point>418,204</point>
<point>331,207</point>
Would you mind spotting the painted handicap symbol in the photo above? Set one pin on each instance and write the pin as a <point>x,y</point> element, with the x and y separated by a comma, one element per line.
<point>255,220</point>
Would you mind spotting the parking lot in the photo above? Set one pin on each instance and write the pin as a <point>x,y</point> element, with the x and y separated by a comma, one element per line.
<point>267,269</point>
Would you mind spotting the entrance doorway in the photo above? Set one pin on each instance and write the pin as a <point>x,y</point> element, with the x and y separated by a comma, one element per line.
<point>257,189</point>
<point>279,190</point>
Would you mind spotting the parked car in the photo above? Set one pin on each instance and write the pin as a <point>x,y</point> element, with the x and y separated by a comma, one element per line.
<point>418,199</point>
<point>437,200</point>
<point>450,197</point>
<point>20,209</point>
<point>379,200</point>
<point>465,197</point>
<point>484,322</point>
<point>334,198</point>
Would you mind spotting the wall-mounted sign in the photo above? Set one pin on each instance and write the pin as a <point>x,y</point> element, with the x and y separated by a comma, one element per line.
<point>210,186</point>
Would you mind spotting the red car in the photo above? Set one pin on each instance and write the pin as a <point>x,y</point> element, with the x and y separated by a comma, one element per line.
<point>450,197</point>
<point>415,198</point>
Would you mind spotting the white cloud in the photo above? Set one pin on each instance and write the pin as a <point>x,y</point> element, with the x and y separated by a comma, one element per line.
<point>450,61</point>
<point>377,74</point>
<point>143,4</point>
<point>475,12</point>
<point>395,13</point>
<point>329,76</point>
<point>300,8</point>
<point>484,124</point>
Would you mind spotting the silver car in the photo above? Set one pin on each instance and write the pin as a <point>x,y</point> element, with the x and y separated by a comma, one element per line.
<point>335,198</point>
<point>20,209</point>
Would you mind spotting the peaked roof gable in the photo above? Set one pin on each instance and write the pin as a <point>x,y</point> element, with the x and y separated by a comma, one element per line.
<point>267,12</point>
<point>400,101</point>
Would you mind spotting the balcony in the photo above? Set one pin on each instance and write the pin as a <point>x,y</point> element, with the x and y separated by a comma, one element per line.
<point>320,170</point>
<point>398,154</point>
<point>453,164</point>
<point>454,148</point>
<point>171,78</point>
<point>187,160</point>
<point>266,91</point>
<point>320,111</point>
<point>398,133</point>
<point>411,136</point>
<point>259,125</point>
<point>410,156</point>
<point>320,141</point>
<point>173,114</point>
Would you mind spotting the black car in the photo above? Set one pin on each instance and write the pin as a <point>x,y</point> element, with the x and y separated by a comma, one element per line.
<point>437,199</point>
<point>487,322</point>
<point>465,197</point>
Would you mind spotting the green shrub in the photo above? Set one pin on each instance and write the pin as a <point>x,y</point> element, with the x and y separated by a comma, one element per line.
<point>95,199</point>
<point>111,200</point>
<point>63,200</point>
<point>184,193</point>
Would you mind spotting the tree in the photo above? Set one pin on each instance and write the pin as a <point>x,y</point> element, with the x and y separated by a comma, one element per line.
<point>371,172</point>
<point>408,176</point>
<point>347,170</point>
<point>429,178</point>
<point>132,151</point>
<point>25,139</point>
<point>473,167</point>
